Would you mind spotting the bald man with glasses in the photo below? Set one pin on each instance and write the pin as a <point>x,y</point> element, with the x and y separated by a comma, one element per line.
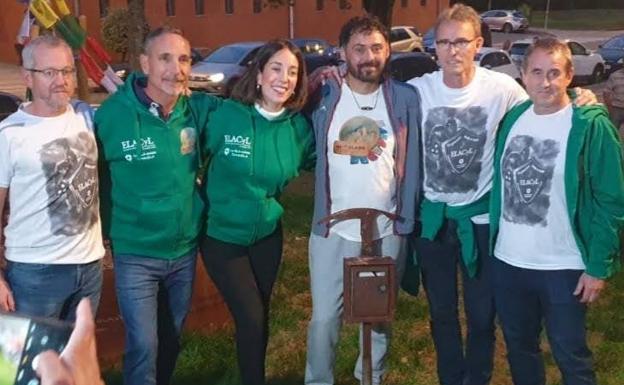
<point>48,173</point>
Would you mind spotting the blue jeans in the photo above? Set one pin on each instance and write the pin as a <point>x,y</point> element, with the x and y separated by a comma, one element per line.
<point>49,290</point>
<point>524,299</point>
<point>438,261</point>
<point>154,297</point>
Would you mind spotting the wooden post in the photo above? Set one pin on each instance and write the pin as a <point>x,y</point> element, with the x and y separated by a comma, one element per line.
<point>81,75</point>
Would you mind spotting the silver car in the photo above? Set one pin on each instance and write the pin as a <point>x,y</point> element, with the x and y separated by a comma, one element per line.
<point>217,72</point>
<point>505,20</point>
<point>405,39</point>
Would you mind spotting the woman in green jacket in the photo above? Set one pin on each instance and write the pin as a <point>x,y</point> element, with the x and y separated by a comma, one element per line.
<point>257,142</point>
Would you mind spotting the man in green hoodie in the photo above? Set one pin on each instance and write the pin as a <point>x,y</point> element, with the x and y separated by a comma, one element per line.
<point>556,213</point>
<point>147,135</point>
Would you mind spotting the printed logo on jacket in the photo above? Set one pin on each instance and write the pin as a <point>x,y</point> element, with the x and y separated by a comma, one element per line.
<point>237,146</point>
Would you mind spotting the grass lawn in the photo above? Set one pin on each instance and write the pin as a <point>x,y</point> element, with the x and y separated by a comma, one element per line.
<point>211,360</point>
<point>590,19</point>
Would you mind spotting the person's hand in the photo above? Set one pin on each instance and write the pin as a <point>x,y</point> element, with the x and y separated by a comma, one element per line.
<point>7,303</point>
<point>588,288</point>
<point>77,364</point>
<point>584,97</point>
<point>320,75</point>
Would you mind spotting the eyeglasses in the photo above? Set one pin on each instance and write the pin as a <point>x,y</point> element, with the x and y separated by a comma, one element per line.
<point>459,44</point>
<point>50,73</point>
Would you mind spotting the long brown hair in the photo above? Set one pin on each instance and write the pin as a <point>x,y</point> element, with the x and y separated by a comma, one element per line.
<point>246,90</point>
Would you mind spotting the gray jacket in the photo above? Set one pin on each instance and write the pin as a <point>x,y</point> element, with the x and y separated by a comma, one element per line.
<point>404,110</point>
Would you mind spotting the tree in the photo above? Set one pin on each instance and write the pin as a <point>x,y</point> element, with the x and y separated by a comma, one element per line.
<point>136,31</point>
<point>115,31</point>
<point>380,8</point>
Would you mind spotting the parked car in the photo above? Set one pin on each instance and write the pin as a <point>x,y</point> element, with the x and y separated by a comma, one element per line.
<point>317,53</point>
<point>589,66</point>
<point>9,103</point>
<point>405,39</point>
<point>497,60</point>
<point>505,20</point>
<point>407,65</point>
<point>218,72</point>
<point>613,53</point>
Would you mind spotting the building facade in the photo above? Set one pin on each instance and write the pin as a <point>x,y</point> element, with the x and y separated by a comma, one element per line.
<point>211,23</point>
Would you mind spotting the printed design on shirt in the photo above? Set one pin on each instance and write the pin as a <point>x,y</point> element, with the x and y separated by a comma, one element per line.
<point>454,140</point>
<point>70,168</point>
<point>130,149</point>
<point>362,138</point>
<point>237,146</point>
<point>188,139</point>
<point>527,170</point>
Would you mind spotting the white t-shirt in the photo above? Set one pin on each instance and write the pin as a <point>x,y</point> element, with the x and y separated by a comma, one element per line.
<point>459,127</point>
<point>360,152</point>
<point>534,229</point>
<point>49,166</point>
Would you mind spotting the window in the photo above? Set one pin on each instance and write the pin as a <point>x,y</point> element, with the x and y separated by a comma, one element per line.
<point>343,4</point>
<point>577,49</point>
<point>103,8</point>
<point>199,7</point>
<point>319,5</point>
<point>503,59</point>
<point>170,5</point>
<point>404,3</point>
<point>229,6</point>
<point>398,34</point>
<point>257,6</point>
<point>423,3</point>
<point>489,61</point>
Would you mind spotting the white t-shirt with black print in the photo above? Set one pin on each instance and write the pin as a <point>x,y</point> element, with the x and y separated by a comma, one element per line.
<point>49,166</point>
<point>534,229</point>
<point>360,151</point>
<point>459,127</point>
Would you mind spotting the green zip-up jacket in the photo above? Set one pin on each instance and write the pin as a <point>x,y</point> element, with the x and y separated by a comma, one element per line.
<point>252,160</point>
<point>594,186</point>
<point>150,203</point>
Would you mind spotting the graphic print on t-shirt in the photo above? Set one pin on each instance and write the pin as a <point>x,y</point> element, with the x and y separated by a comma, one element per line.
<point>362,138</point>
<point>527,169</point>
<point>454,140</point>
<point>70,168</point>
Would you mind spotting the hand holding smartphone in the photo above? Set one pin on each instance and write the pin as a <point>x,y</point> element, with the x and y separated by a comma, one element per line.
<point>21,340</point>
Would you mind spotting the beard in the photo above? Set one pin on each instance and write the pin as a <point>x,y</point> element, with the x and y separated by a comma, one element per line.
<point>368,72</point>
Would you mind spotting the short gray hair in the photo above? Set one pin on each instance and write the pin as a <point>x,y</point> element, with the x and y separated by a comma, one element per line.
<point>51,41</point>
<point>156,33</point>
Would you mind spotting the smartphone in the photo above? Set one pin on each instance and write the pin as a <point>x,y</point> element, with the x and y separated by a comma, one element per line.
<point>21,339</point>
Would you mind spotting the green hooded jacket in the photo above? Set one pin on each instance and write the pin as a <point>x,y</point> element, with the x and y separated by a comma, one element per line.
<point>252,159</point>
<point>150,203</point>
<point>594,186</point>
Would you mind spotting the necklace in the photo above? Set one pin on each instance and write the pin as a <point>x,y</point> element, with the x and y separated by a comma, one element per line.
<point>365,108</point>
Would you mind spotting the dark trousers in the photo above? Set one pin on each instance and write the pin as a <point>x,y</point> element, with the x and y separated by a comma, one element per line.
<point>438,261</point>
<point>245,276</point>
<point>524,299</point>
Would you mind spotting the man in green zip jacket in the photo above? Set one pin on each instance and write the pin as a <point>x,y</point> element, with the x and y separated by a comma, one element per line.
<point>147,134</point>
<point>556,213</point>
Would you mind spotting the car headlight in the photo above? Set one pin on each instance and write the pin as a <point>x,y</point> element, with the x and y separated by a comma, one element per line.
<point>216,78</point>
<point>621,61</point>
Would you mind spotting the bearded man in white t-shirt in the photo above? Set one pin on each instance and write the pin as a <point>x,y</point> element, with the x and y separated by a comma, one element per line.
<point>366,128</point>
<point>462,107</point>
<point>48,171</point>
<point>556,212</point>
